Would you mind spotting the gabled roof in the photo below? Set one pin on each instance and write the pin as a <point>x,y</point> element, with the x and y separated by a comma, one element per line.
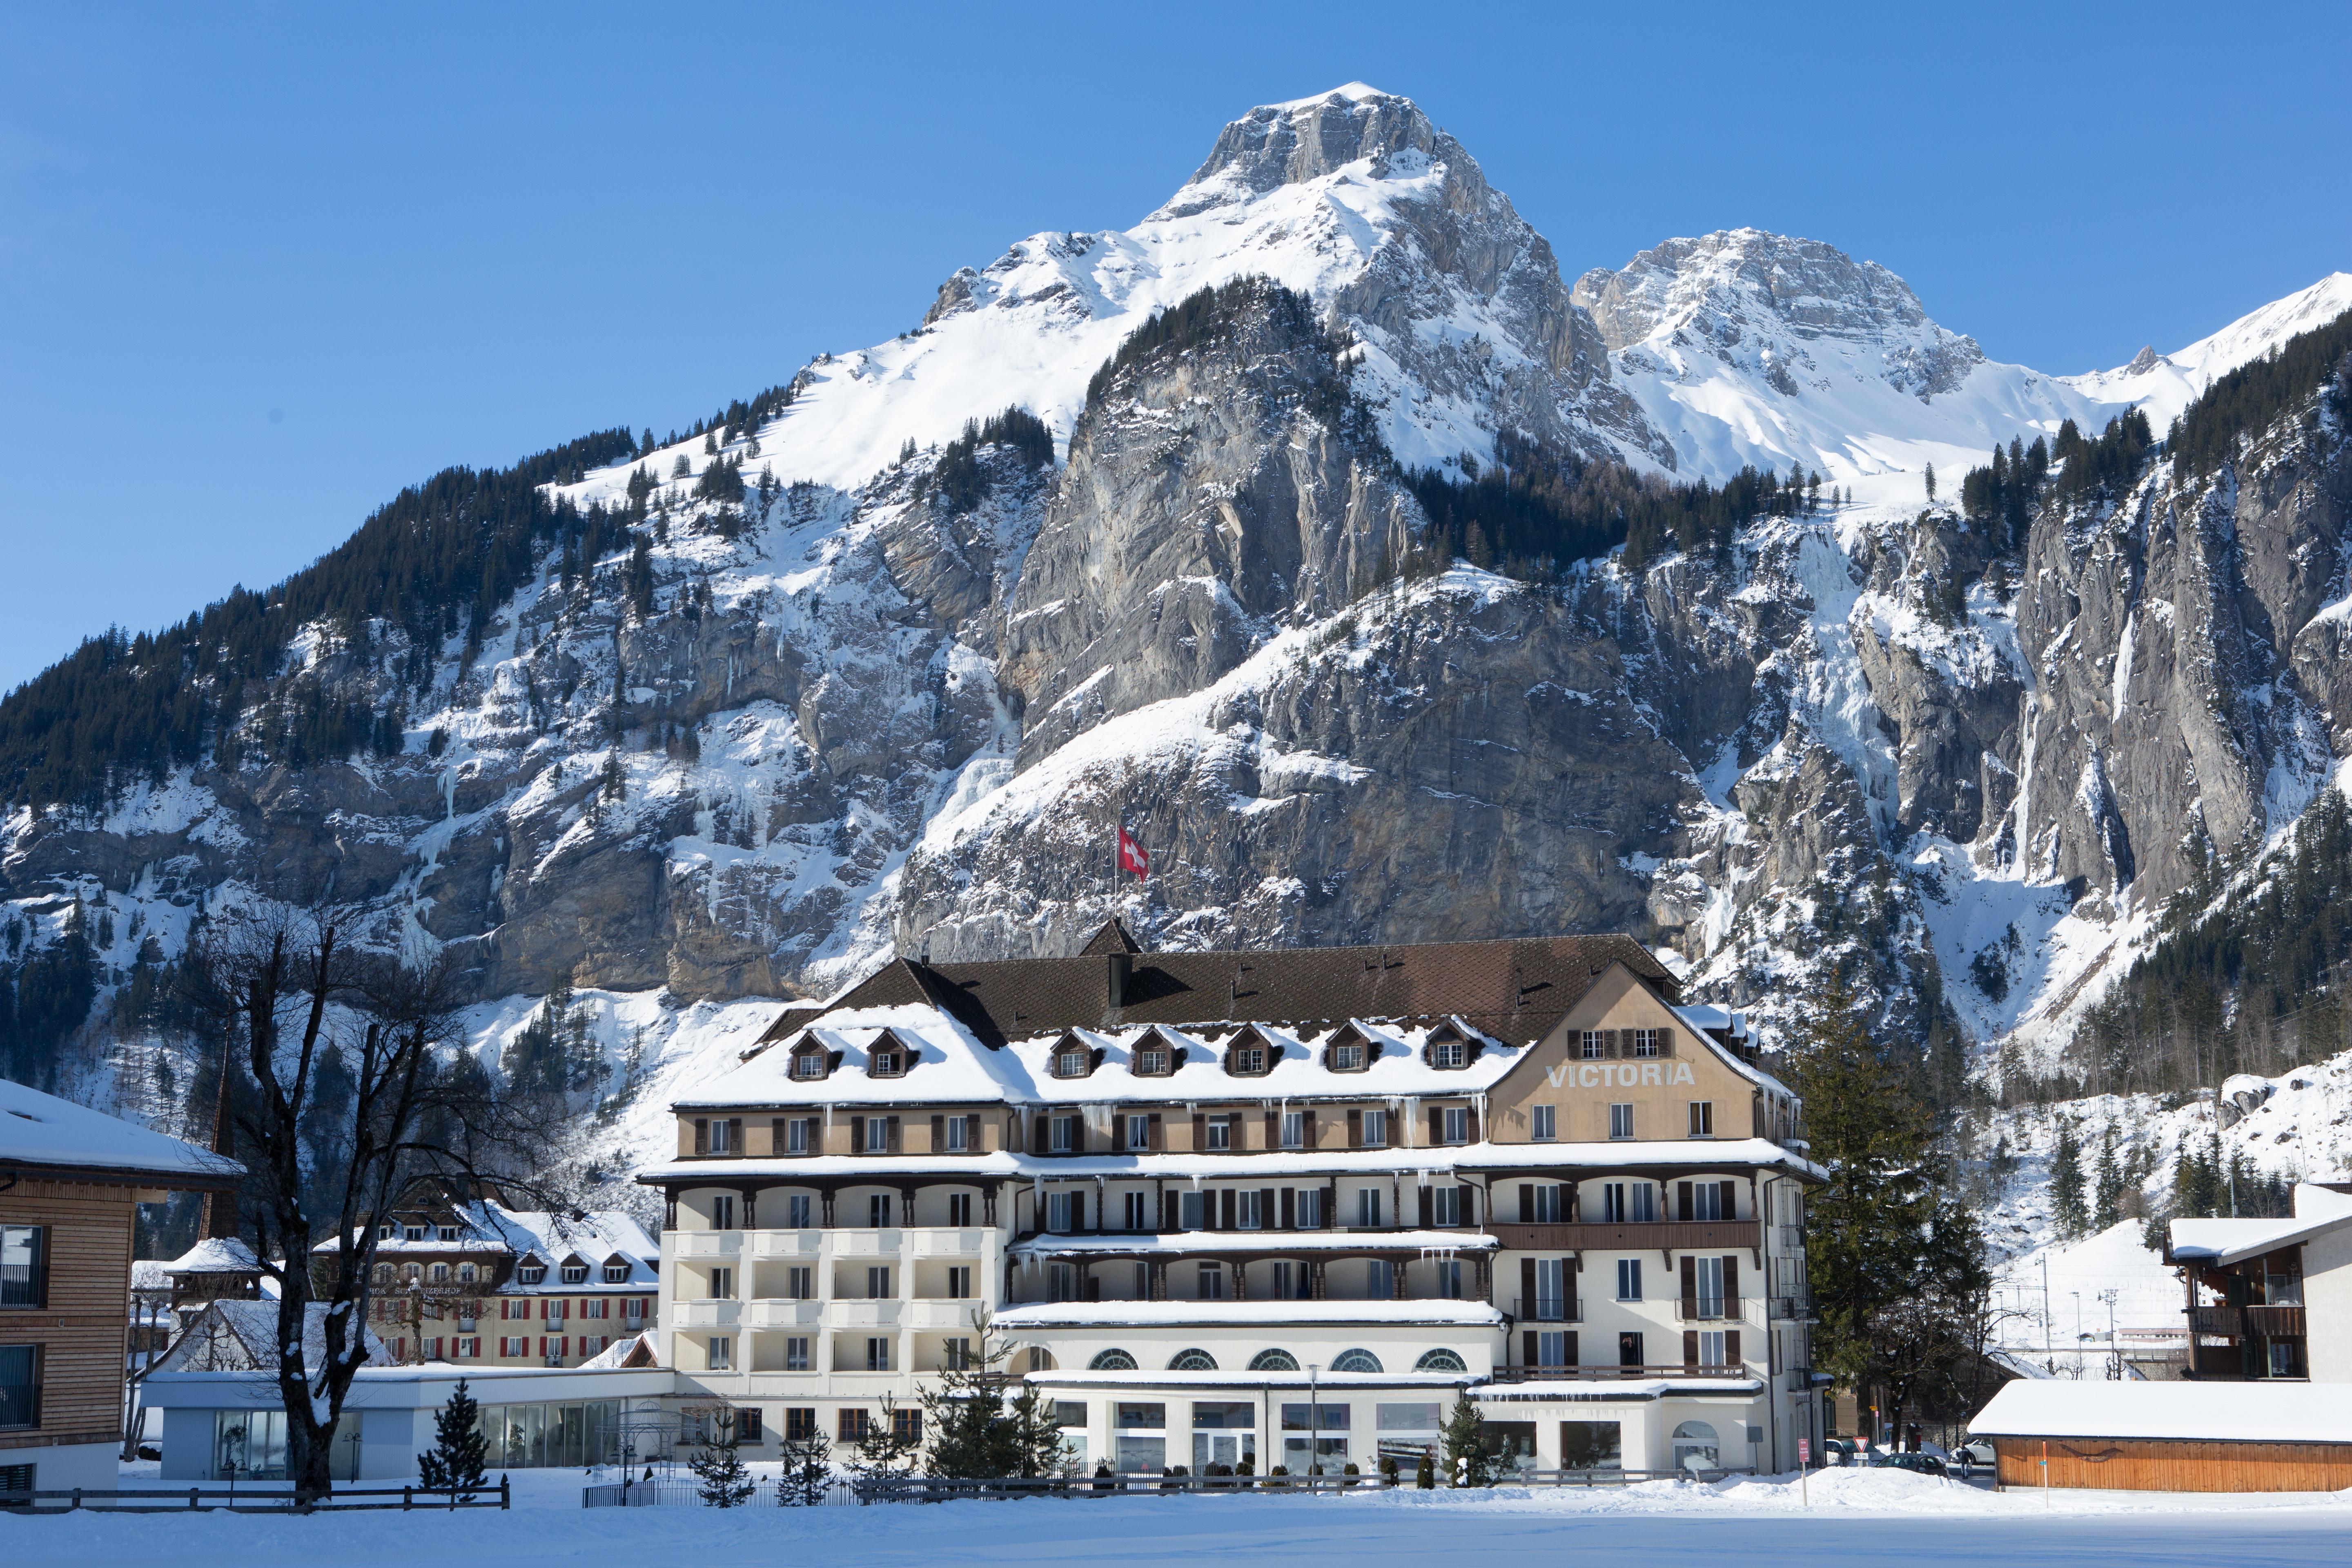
<point>2261,1412</point>
<point>41,1131</point>
<point>216,1255</point>
<point>241,1336</point>
<point>2318,1210</point>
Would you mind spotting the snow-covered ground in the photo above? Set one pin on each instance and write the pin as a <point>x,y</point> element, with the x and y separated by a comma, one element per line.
<point>1856,1515</point>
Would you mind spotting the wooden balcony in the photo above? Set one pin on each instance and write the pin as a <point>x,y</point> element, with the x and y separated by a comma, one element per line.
<point>1658,1236</point>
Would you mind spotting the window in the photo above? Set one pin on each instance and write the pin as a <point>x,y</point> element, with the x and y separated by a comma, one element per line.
<point>415,1271</point>
<point>1645,1042</point>
<point>1441,1361</point>
<point>1380,1280</point>
<point>1445,1207</point>
<point>387,1231</point>
<point>1249,1061</point>
<point>877,1352</point>
<point>1140,1417</point>
<point>1139,1211</point>
<point>1212,1282</point>
<point>470,1347</point>
<point>722,1287</point>
<point>853,1424</point>
<point>722,1137</point>
<point>1706,1277</point>
<point>877,1282</point>
<point>959,1207</point>
<point>1594,1047</point>
<point>800,1423</point>
<point>1057,1213</point>
<point>958,1132</point>
<point>1551,1348</point>
<point>1702,1119</point>
<point>1249,1210</point>
<point>1289,1282</point>
<point>465,1274</point>
<point>798,1210</point>
<point>1193,1360</point>
<point>906,1426</point>
<point>1449,1054</point>
<point>1190,1208</point>
<point>1629,1279</point>
<point>1138,1134</point>
<point>960,1284</point>
<point>447,1233</point>
<point>958,1354</point>
<point>1347,1058</point>
<point>796,1358</point>
<point>1546,1124</point>
<point>573,1273</point>
<point>1621,1122</point>
<point>1705,1200</point>
<point>1545,1204</point>
<point>1310,1208</point>
<point>872,1134</point>
<point>635,1308</point>
<point>1070,1064</point>
<point>1368,1207</point>
<point>1062,1281</point>
<point>877,1212</point>
<point>747,1424</point>
<point>20,1384</point>
<point>617,1272</point>
<point>723,1212</point>
<point>888,1063</point>
<point>1151,1061</point>
<point>413,1233</point>
<point>599,1308</point>
<point>1449,1278</point>
<point>800,1284</point>
<point>722,1353</point>
<point>1552,1290</point>
<point>1221,1132</point>
<point>1111,1361</point>
<point>440,1275</point>
<point>1356,1361</point>
<point>1294,1130</point>
<point>1064,1139</point>
<point>531,1273</point>
<point>809,1064</point>
<point>1629,1349</point>
<point>1455,1124</point>
<point>1710,1349</point>
<point>1274,1360</point>
<point>796,1135</point>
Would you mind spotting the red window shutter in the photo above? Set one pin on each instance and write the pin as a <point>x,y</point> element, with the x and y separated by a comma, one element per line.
<point>1527,1203</point>
<point>1731,1347</point>
<point>1436,1126</point>
<point>1730,1200</point>
<point>1690,1348</point>
<point>701,1135</point>
<point>1530,1349</point>
<point>1526,1287</point>
<point>1683,1202</point>
<point>1355,1130</point>
<point>1690,1288</point>
<point>1730,1286</point>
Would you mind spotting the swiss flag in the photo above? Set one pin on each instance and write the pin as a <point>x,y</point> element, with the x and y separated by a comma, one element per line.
<point>1131,855</point>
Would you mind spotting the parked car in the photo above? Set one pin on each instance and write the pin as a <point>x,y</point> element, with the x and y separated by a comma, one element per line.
<point>1922,1464</point>
<point>1837,1451</point>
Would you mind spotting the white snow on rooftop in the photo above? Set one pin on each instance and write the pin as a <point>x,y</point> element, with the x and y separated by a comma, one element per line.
<point>1195,1314</point>
<point>39,1129</point>
<point>2222,1411</point>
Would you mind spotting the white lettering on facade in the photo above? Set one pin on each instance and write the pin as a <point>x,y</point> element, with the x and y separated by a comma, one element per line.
<point>1683,1073</point>
<point>1650,1073</point>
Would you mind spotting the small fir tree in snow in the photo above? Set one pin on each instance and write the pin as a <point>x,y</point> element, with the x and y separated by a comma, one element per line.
<point>2108,1188</point>
<point>719,1473</point>
<point>1467,1463</point>
<point>2067,1205</point>
<point>1931,483</point>
<point>455,1464</point>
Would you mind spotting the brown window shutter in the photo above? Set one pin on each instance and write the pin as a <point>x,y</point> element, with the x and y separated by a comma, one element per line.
<point>1428,1208</point>
<point>857,1135</point>
<point>1041,1131</point>
<point>1731,1347</point>
<point>776,1136</point>
<point>1690,1288</point>
<point>735,1136</point>
<point>1266,1214</point>
<point>1568,1350</point>
<point>1225,1210</point>
<point>1290,1208</point>
<point>1273,1129</point>
<point>1436,1126</point>
<point>1528,1349</point>
<point>1730,1286</point>
<point>1473,1124</point>
<point>1665,1042</point>
<point>1690,1350</point>
<point>1306,1126</point>
<point>1355,1130</point>
<point>891,1138</point>
<point>1730,1200</point>
<point>1526,1287</point>
<point>938,1134</point>
<point>1173,1219</point>
<point>1157,1138</point>
<point>1682,1210</point>
<point>971,1134</point>
<point>1465,1204</point>
<point>701,1135</point>
<point>1077,1211</point>
<point>1200,1131</point>
<point>1118,1134</point>
<point>1528,1205</point>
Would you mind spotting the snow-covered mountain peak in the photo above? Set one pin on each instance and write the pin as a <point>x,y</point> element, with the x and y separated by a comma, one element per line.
<point>2164,385</point>
<point>1310,139</point>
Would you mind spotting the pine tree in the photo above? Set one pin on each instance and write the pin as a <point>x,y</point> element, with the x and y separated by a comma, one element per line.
<point>455,1465</point>
<point>1931,484</point>
<point>1467,1463</point>
<point>2067,1199</point>
<point>889,1446</point>
<point>2108,1183</point>
<point>977,1432</point>
<point>807,1473</point>
<point>719,1473</point>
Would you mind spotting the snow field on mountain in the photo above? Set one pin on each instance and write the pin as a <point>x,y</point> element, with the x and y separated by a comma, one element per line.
<point>1867,1516</point>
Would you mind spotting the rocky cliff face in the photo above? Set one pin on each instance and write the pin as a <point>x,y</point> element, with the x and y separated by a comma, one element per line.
<point>868,716</point>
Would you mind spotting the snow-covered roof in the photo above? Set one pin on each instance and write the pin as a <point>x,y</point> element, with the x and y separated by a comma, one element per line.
<point>643,1349</point>
<point>1327,1381</point>
<point>39,1129</point>
<point>216,1255</point>
<point>1195,1241</point>
<point>1692,1155</point>
<point>241,1336</point>
<point>2317,1210</point>
<point>598,1238</point>
<point>2261,1412</point>
<point>1241,1314</point>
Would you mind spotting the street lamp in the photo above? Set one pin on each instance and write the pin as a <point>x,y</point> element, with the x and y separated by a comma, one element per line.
<point>1314,1423</point>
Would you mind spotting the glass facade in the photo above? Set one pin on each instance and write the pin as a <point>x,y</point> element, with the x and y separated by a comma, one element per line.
<point>540,1436</point>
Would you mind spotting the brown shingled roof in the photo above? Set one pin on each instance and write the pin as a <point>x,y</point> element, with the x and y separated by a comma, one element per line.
<point>1512,990</point>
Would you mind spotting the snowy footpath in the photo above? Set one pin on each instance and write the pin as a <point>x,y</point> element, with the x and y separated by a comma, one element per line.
<point>1862,1516</point>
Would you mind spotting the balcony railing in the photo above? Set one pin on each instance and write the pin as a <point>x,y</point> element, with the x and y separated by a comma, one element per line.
<point>1796,1303</point>
<point>1654,1235</point>
<point>1610,1374</point>
<point>707,1314</point>
<point>1548,1309</point>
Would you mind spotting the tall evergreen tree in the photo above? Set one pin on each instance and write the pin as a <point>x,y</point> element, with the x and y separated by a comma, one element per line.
<point>455,1464</point>
<point>2108,1180</point>
<point>1467,1463</point>
<point>976,1432</point>
<point>2067,1204</point>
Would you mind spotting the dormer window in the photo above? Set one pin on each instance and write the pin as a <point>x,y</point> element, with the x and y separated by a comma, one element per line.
<point>889,1062</point>
<point>447,1233</point>
<point>1347,1058</point>
<point>617,1272</point>
<point>1348,1050</point>
<point>1448,1054</point>
<point>809,1064</point>
<point>387,1231</point>
<point>1069,1064</point>
<point>1151,1061</point>
<point>575,1274</point>
<point>1248,1061</point>
<point>531,1273</point>
<point>413,1233</point>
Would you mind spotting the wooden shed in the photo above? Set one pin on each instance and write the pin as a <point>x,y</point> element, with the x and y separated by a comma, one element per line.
<point>2170,1437</point>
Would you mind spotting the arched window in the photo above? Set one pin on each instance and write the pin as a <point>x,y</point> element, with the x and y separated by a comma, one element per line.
<point>1695,1442</point>
<point>1111,1361</point>
<point>465,1273</point>
<point>1193,1360</point>
<point>1441,1361</point>
<point>1356,1361</point>
<point>1274,1360</point>
<point>440,1273</point>
<point>417,1272</point>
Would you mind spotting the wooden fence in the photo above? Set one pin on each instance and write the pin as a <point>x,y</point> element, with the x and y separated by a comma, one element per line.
<point>249,1500</point>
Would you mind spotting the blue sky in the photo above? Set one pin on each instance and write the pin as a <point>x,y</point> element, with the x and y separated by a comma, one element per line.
<point>262,267</point>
